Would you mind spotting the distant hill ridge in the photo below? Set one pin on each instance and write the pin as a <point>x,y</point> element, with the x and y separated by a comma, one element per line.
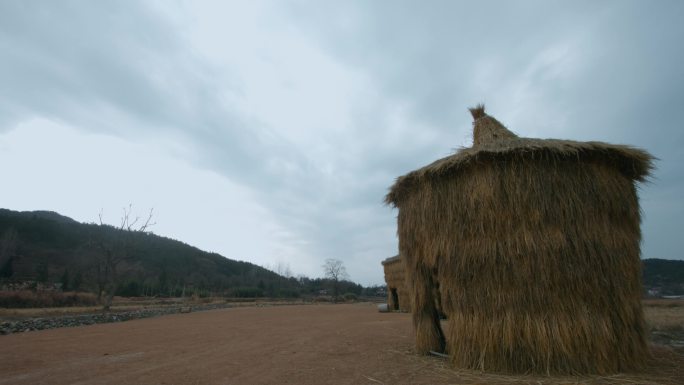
<point>46,246</point>
<point>47,215</point>
<point>664,276</point>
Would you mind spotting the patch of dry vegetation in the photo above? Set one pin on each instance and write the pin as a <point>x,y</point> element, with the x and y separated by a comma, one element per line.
<point>665,368</point>
<point>665,319</point>
<point>665,314</point>
<point>123,304</point>
<point>38,299</point>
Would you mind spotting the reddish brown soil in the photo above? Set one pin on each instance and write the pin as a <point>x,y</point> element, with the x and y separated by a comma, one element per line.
<point>309,344</point>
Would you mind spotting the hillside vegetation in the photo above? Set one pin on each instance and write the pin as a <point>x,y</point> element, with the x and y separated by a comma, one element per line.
<point>664,276</point>
<point>45,247</point>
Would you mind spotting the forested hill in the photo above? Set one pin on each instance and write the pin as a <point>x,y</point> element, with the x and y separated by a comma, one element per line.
<point>44,246</point>
<point>664,276</point>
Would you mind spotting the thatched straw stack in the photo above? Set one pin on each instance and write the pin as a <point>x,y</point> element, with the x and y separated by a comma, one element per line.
<point>395,277</point>
<point>534,247</point>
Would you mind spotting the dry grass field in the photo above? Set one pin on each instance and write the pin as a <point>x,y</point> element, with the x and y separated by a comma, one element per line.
<point>118,306</point>
<point>59,311</point>
<point>664,314</point>
<point>128,304</point>
<point>300,344</point>
<point>665,317</point>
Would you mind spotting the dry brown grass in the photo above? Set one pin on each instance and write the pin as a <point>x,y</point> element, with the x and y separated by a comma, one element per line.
<point>60,311</point>
<point>534,248</point>
<point>664,314</point>
<point>664,369</point>
<point>34,299</point>
<point>120,304</point>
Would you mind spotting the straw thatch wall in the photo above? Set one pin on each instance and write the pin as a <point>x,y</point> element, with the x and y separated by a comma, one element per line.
<point>534,247</point>
<point>395,277</point>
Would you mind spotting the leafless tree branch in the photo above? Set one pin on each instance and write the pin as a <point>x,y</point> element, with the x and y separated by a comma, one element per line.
<point>117,248</point>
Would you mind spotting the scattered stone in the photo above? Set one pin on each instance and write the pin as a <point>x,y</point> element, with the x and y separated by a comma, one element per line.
<point>31,324</point>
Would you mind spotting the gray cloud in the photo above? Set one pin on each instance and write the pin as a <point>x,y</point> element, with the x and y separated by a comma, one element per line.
<point>588,71</point>
<point>584,70</point>
<point>117,68</point>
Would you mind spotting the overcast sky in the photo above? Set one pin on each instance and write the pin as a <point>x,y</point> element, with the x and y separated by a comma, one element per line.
<point>269,131</point>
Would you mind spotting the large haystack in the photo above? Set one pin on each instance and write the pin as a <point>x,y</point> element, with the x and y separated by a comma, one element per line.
<point>534,247</point>
<point>395,277</point>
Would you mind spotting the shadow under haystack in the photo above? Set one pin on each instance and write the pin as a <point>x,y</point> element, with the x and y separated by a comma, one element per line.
<point>533,246</point>
<point>395,277</point>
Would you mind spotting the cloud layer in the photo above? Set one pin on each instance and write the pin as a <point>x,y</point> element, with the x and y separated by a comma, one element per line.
<point>305,113</point>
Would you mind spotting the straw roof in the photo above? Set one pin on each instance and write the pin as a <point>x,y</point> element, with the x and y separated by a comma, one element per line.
<point>492,140</point>
<point>391,260</point>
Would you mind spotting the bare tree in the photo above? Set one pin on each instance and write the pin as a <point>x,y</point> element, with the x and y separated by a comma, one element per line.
<point>335,271</point>
<point>116,246</point>
<point>282,269</point>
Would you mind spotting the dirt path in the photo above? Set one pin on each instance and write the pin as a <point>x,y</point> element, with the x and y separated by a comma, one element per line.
<point>314,344</point>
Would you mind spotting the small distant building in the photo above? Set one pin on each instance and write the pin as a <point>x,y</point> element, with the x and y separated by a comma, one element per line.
<point>395,276</point>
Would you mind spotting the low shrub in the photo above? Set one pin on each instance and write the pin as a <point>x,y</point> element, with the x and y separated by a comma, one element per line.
<point>29,299</point>
<point>287,293</point>
<point>349,297</point>
<point>663,302</point>
<point>202,300</point>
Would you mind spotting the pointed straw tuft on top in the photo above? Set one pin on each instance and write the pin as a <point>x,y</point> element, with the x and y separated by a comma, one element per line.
<point>478,111</point>
<point>488,130</point>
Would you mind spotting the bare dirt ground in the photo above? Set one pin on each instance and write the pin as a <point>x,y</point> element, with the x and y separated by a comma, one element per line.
<point>304,344</point>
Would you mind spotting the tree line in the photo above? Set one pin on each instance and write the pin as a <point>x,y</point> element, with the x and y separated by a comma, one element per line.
<point>128,260</point>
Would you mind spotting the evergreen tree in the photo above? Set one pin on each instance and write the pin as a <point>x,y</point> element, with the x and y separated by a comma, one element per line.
<point>42,274</point>
<point>7,271</point>
<point>163,281</point>
<point>77,281</point>
<point>65,280</point>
